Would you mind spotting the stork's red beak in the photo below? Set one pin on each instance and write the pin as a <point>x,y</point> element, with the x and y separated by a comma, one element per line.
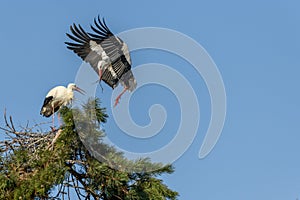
<point>81,91</point>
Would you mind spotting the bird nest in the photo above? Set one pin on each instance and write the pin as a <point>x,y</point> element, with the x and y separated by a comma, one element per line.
<point>27,138</point>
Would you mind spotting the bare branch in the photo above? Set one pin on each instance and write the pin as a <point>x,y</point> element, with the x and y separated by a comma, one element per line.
<point>12,124</point>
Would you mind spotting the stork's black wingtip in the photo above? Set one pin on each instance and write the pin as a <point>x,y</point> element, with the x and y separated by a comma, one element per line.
<point>71,27</point>
<point>95,20</point>
<point>67,34</point>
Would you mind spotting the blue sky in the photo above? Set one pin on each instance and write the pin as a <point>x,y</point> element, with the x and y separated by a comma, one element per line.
<point>255,45</point>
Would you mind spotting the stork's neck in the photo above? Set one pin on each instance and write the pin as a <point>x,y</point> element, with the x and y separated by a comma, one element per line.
<point>70,94</point>
<point>70,91</point>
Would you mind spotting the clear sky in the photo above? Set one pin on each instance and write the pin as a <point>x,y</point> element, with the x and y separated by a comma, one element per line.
<point>256,46</point>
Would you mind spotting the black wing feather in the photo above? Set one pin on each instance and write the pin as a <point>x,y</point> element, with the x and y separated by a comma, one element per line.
<point>47,101</point>
<point>74,38</point>
<point>78,34</point>
<point>46,109</point>
<point>110,44</point>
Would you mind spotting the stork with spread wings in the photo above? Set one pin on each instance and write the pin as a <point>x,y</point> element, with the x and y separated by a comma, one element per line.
<point>107,54</point>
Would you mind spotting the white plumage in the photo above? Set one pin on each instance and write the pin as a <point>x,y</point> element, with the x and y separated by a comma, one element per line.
<point>57,97</point>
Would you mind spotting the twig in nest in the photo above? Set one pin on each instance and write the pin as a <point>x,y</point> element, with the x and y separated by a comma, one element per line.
<point>54,139</point>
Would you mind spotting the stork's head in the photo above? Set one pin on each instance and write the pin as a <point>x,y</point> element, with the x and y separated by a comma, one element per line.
<point>73,87</point>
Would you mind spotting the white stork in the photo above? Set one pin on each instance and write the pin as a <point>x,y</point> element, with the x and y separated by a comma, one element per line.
<point>107,54</point>
<point>57,97</point>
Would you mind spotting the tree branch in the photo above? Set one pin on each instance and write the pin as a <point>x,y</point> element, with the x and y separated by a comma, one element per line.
<point>80,178</point>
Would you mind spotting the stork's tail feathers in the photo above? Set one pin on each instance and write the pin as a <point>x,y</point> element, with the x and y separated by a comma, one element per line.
<point>46,111</point>
<point>128,81</point>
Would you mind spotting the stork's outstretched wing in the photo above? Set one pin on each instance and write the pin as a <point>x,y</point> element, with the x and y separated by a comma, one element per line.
<point>92,47</point>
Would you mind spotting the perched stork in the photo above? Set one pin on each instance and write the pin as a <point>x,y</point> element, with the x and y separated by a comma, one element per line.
<point>57,97</point>
<point>107,54</point>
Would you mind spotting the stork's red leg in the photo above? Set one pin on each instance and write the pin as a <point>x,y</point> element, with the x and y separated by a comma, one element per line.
<point>53,116</point>
<point>119,97</point>
<point>58,118</point>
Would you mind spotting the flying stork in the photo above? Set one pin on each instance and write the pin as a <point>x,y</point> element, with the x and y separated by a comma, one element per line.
<point>106,53</point>
<point>57,97</point>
